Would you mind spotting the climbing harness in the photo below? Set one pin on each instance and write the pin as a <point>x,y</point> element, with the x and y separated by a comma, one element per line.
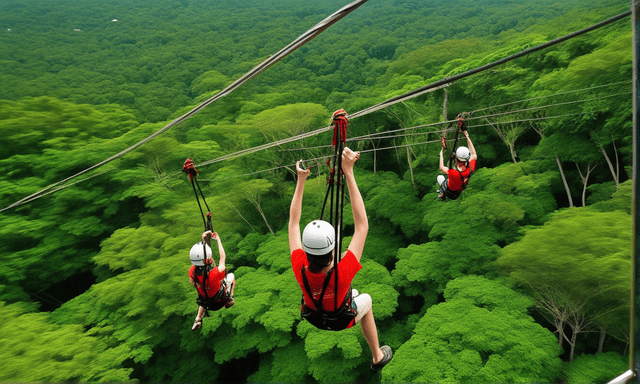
<point>461,122</point>
<point>218,300</point>
<point>330,321</point>
<point>343,314</point>
<point>455,194</point>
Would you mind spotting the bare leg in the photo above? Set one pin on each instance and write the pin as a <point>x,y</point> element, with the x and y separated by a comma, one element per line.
<point>370,332</point>
<point>198,321</point>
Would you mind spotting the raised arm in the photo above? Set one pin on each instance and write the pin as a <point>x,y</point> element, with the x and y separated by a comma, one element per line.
<point>295,211</point>
<point>442,166</point>
<point>360,222</point>
<point>223,256</point>
<point>474,155</point>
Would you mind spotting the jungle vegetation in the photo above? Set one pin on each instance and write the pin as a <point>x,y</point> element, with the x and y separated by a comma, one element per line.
<point>525,278</point>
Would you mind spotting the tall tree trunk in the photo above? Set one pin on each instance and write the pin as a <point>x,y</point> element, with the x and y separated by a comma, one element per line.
<point>375,156</point>
<point>564,181</point>
<point>615,150</point>
<point>410,165</point>
<point>512,151</point>
<point>578,323</point>
<point>585,181</point>
<point>395,149</point>
<point>375,161</point>
<point>615,173</point>
<point>549,303</point>
<point>603,335</point>
<point>574,336</point>
<point>560,328</point>
<point>444,105</point>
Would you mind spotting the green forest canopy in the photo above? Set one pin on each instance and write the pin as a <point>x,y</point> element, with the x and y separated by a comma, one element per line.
<point>98,270</point>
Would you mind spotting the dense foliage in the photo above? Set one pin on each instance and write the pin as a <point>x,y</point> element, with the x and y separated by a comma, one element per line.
<point>522,279</point>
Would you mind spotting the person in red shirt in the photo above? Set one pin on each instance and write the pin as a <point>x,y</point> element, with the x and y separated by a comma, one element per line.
<point>217,291</point>
<point>312,262</point>
<point>458,177</point>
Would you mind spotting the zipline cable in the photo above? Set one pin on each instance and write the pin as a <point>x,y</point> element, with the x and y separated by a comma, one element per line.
<point>555,94</point>
<point>307,36</point>
<point>420,91</point>
<point>448,80</point>
<point>321,158</point>
<point>63,187</point>
<point>549,106</point>
<point>301,40</point>
<point>375,135</point>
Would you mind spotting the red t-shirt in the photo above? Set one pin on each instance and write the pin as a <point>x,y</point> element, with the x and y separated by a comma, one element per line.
<point>347,269</point>
<point>213,282</point>
<point>455,181</point>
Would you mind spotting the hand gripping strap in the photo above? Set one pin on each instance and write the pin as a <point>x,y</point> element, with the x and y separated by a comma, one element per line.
<point>341,122</point>
<point>189,168</point>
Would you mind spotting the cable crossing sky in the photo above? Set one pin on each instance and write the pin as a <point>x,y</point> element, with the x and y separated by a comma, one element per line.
<point>317,29</point>
<point>297,43</point>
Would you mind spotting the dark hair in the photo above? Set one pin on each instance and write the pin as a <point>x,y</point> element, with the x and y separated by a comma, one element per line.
<point>202,269</point>
<point>318,262</point>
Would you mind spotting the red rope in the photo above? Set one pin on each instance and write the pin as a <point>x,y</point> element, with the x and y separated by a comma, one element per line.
<point>189,168</point>
<point>340,121</point>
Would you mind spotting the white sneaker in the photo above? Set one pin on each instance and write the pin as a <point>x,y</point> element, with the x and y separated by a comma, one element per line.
<point>354,293</point>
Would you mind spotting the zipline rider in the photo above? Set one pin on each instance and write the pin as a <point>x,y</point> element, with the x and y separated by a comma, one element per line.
<point>215,287</point>
<point>312,261</point>
<point>458,177</point>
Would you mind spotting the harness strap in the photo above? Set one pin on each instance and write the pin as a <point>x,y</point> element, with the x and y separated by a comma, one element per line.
<point>462,180</point>
<point>453,149</point>
<point>325,284</point>
<point>318,303</point>
<point>462,126</point>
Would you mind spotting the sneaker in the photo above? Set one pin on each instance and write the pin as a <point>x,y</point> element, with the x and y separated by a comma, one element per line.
<point>354,293</point>
<point>230,302</point>
<point>386,358</point>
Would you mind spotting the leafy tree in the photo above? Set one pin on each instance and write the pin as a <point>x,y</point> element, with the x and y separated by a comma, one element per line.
<point>482,333</point>
<point>70,99</point>
<point>598,368</point>
<point>389,197</point>
<point>584,269</point>
<point>61,352</point>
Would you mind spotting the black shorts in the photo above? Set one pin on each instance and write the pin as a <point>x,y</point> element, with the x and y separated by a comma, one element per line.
<point>216,302</point>
<point>331,321</point>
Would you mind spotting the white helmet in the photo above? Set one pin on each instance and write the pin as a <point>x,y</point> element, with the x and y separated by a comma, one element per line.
<point>318,238</point>
<point>463,153</point>
<point>195,254</point>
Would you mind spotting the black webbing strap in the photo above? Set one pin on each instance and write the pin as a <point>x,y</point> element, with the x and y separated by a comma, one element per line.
<point>462,126</point>
<point>453,149</point>
<point>318,303</point>
<point>336,178</point>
